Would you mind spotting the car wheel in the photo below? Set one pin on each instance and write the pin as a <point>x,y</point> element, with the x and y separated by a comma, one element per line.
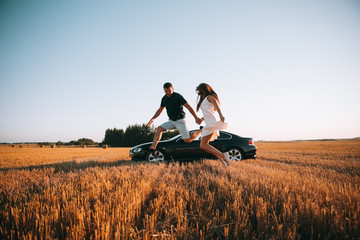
<point>235,154</point>
<point>155,156</point>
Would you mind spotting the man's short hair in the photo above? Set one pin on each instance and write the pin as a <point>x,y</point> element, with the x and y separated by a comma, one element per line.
<point>167,85</point>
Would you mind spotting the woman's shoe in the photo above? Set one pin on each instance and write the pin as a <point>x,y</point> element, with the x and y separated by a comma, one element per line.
<point>227,158</point>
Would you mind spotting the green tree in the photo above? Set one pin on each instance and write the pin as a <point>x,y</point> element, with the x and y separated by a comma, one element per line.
<point>71,143</point>
<point>170,134</point>
<point>114,137</point>
<point>133,135</point>
<point>86,141</point>
<point>136,134</point>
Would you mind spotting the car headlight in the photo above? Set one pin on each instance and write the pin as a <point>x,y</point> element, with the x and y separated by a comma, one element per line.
<point>136,150</point>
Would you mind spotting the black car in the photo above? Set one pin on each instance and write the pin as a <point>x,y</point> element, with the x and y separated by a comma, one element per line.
<point>175,148</point>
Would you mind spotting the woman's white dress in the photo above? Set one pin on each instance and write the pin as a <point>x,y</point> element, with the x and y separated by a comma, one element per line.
<point>211,122</point>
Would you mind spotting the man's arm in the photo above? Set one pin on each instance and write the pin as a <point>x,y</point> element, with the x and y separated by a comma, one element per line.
<point>191,110</point>
<point>157,113</point>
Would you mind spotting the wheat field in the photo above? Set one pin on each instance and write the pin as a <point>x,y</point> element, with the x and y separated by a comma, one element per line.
<point>293,190</point>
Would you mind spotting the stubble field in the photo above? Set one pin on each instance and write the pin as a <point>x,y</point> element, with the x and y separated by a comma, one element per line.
<point>294,190</point>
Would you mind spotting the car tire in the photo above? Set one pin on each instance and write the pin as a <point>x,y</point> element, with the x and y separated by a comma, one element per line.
<point>235,154</point>
<point>157,156</point>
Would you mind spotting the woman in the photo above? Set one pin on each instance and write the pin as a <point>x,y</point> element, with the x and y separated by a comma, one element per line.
<point>209,104</point>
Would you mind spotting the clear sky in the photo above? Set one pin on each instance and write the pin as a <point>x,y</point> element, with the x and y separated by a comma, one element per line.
<point>283,70</point>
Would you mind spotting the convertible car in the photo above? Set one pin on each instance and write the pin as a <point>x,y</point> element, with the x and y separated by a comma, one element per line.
<point>239,148</point>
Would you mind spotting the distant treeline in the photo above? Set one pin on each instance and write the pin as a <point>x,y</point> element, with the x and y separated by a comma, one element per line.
<point>79,142</point>
<point>133,135</point>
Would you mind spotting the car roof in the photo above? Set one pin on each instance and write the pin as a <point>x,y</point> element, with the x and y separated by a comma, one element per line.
<point>221,131</point>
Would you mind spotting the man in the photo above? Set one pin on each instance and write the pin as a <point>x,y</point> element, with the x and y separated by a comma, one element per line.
<point>174,102</point>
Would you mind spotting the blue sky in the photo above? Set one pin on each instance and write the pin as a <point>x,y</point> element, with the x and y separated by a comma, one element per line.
<point>284,70</point>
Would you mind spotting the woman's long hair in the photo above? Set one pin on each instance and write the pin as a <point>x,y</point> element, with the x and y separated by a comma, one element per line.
<point>203,91</point>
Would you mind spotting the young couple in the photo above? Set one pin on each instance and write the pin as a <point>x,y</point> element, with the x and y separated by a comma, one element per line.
<point>208,103</point>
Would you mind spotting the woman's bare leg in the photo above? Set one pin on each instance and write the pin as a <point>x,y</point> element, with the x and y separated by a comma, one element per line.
<point>204,145</point>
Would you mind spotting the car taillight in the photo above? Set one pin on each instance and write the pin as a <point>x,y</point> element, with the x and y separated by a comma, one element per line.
<point>251,143</point>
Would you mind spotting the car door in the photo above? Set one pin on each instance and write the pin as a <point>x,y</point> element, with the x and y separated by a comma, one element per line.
<point>193,150</point>
<point>189,150</point>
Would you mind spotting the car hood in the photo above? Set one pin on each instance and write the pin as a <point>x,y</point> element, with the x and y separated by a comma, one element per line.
<point>148,144</point>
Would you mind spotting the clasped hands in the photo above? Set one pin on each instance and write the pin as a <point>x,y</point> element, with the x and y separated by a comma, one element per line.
<point>199,120</point>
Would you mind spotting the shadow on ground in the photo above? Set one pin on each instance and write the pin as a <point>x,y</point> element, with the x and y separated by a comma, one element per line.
<point>78,165</point>
<point>82,165</point>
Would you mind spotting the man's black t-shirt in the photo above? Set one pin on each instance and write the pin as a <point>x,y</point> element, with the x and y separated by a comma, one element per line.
<point>174,106</point>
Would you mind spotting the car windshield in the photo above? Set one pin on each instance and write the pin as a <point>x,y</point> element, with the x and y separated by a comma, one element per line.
<point>179,135</point>
<point>173,138</point>
<point>224,135</point>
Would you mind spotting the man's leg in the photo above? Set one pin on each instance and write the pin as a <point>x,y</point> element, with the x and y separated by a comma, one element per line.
<point>181,125</point>
<point>193,136</point>
<point>157,137</point>
<point>184,131</point>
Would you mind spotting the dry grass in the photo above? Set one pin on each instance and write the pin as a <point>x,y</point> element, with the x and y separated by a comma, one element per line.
<point>301,190</point>
<point>35,156</point>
